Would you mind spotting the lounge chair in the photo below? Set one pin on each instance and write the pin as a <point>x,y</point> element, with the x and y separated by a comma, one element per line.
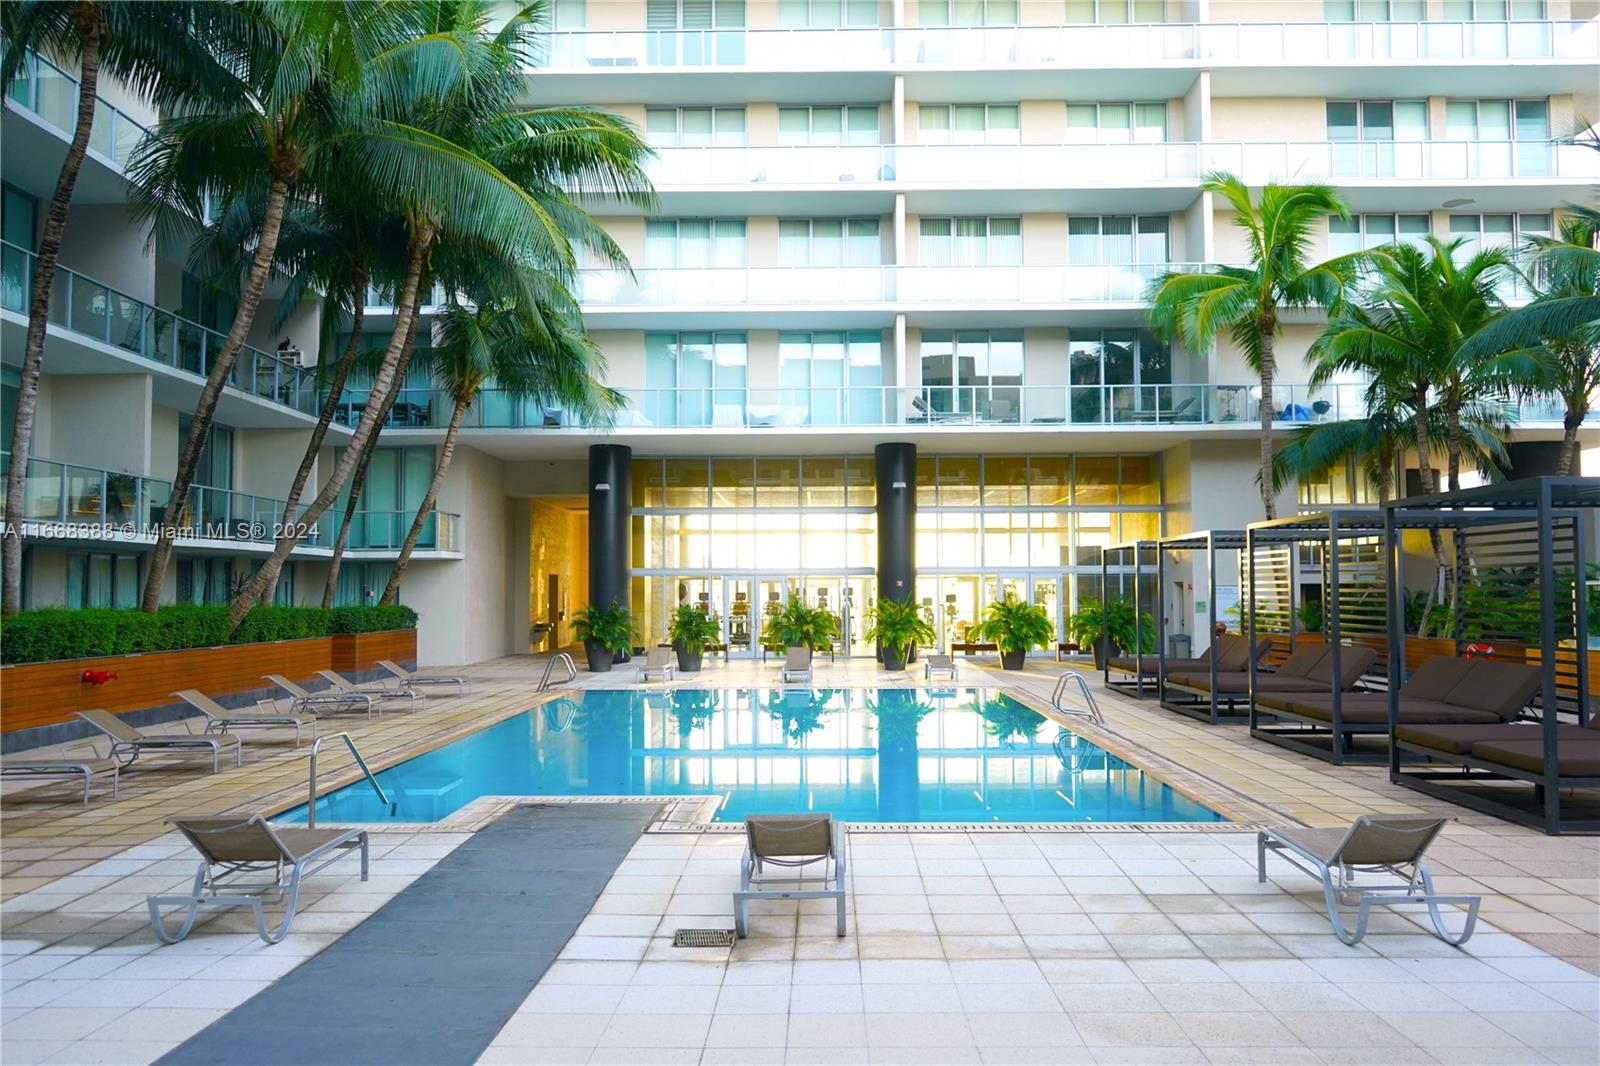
<point>128,742</point>
<point>1372,844</point>
<point>233,849</point>
<point>266,714</point>
<point>939,664</point>
<point>412,679</point>
<point>657,665</point>
<point>1231,649</point>
<point>1309,669</point>
<point>350,688</point>
<point>790,842</point>
<point>925,413</point>
<point>796,667</point>
<point>88,769</point>
<point>1443,690</point>
<point>329,702</point>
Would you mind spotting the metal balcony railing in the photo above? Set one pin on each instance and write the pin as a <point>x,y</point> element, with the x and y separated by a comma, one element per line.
<point>88,307</point>
<point>49,92</point>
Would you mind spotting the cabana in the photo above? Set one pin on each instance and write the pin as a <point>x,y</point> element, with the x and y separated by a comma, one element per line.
<point>1522,611</point>
<point>1223,655</point>
<point>1134,674</point>
<point>1306,698</point>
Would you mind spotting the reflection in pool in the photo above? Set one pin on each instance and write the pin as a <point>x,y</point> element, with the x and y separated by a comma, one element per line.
<point>866,755</point>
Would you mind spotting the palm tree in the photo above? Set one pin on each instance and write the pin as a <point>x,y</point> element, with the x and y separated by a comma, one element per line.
<point>1405,327</point>
<point>463,161</point>
<point>539,357</point>
<point>170,53</point>
<point>1559,332</point>
<point>1247,302</point>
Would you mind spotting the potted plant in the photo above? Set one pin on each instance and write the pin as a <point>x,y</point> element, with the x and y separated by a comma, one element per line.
<point>799,626</point>
<point>1106,624</point>
<point>1014,626</point>
<point>606,632</point>
<point>898,626</point>
<point>690,629</point>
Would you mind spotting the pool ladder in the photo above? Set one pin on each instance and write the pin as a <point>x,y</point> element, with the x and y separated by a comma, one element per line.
<point>1089,710</point>
<point>311,801</point>
<point>563,659</point>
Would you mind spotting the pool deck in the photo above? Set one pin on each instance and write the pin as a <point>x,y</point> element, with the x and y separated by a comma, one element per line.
<point>1054,945</point>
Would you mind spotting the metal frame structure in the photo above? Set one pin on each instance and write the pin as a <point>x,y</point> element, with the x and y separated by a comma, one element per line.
<point>1330,528</point>
<point>1208,541</point>
<point>1137,549</point>
<point>1553,512</point>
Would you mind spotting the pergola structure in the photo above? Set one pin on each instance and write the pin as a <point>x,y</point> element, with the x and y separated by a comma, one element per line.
<point>1204,544</point>
<point>1521,549</point>
<point>1354,607</point>
<point>1135,558</point>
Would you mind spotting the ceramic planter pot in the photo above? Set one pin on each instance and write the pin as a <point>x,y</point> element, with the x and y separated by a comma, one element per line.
<point>689,661</point>
<point>600,657</point>
<point>1013,660</point>
<point>893,658</point>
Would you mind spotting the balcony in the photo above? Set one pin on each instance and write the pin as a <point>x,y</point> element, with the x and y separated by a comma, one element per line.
<point>50,94</point>
<point>86,308</point>
<point>385,531</point>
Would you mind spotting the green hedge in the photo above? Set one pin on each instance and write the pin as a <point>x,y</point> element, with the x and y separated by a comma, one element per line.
<point>52,633</point>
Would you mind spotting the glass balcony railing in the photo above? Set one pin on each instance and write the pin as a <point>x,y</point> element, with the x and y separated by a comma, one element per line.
<point>87,307</point>
<point>49,92</point>
<point>1402,160</point>
<point>786,164</point>
<point>1069,47</point>
<point>386,531</point>
<point>69,494</point>
<point>743,286</point>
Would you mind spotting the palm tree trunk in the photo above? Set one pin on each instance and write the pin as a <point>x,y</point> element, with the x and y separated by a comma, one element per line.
<point>388,373</point>
<point>447,451</point>
<point>1455,444</point>
<point>330,407</point>
<point>205,409</point>
<point>1269,500</point>
<point>1567,461</point>
<point>44,276</point>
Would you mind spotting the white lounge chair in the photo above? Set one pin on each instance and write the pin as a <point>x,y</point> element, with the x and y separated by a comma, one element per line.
<point>329,702</point>
<point>233,849</point>
<point>412,679</point>
<point>350,688</point>
<point>796,667</point>
<point>1371,845</point>
<point>790,842</point>
<point>129,742</point>
<point>657,665</point>
<point>266,715</point>
<point>939,664</point>
<point>88,769</point>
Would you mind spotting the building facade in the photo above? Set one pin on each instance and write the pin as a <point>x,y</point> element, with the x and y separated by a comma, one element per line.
<point>922,222</point>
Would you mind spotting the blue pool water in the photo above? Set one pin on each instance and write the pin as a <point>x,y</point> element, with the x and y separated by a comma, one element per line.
<point>884,755</point>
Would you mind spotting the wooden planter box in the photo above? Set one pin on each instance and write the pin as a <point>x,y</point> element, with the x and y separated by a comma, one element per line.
<point>43,694</point>
<point>353,652</point>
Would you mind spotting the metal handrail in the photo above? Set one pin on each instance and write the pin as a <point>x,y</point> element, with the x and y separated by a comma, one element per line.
<point>311,802</point>
<point>1090,710</point>
<point>549,667</point>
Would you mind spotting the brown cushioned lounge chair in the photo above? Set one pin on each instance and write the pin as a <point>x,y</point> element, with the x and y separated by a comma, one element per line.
<point>1309,669</point>
<point>1232,651</point>
<point>1443,689</point>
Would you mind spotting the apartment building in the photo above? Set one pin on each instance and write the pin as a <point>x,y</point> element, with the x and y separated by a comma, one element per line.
<point>884,332</point>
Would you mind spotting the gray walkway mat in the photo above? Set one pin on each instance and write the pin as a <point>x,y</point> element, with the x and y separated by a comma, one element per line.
<point>434,974</point>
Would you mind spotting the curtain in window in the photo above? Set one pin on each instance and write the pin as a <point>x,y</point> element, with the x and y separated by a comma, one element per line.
<point>933,245</point>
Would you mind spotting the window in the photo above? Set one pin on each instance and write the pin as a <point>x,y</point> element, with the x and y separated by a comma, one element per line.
<point>1115,357</point>
<point>969,241</point>
<point>1117,123</point>
<point>836,377</point>
<point>1496,231</point>
<point>827,13</point>
<point>968,124</point>
<point>967,13</point>
<point>829,242</point>
<point>1364,133</point>
<point>976,372</point>
<point>1493,10</point>
<point>10,383</point>
<point>1115,12</point>
<point>207,304</point>
<point>360,584</point>
<point>284,596</point>
<point>828,125</point>
<point>1362,232</point>
<point>215,469</point>
<point>96,579</point>
<point>1508,136</point>
<point>1374,10</point>
<point>695,379</point>
<point>1113,240</point>
<point>694,242</point>
<point>397,481</point>
<point>207,581</point>
<point>18,217</point>
<point>697,45</point>
<point>694,127</point>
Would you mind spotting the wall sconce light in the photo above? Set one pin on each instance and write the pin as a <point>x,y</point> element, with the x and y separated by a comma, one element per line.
<point>604,486</point>
<point>898,486</point>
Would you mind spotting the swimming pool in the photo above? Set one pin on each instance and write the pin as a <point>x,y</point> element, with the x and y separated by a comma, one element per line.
<point>866,755</point>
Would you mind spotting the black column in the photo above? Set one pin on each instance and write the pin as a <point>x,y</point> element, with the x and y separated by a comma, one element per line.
<point>610,511</point>
<point>896,466</point>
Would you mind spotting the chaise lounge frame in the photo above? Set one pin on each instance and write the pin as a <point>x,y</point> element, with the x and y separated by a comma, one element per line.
<point>1135,558</point>
<point>1213,707</point>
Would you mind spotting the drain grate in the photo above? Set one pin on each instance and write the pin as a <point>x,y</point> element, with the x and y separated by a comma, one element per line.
<point>703,938</point>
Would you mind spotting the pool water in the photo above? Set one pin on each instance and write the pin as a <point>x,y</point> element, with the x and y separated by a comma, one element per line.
<point>865,755</point>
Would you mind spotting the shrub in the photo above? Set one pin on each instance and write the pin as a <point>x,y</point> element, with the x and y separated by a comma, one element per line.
<point>52,633</point>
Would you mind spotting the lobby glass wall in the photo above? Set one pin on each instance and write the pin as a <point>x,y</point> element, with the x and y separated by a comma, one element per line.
<point>742,536</point>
